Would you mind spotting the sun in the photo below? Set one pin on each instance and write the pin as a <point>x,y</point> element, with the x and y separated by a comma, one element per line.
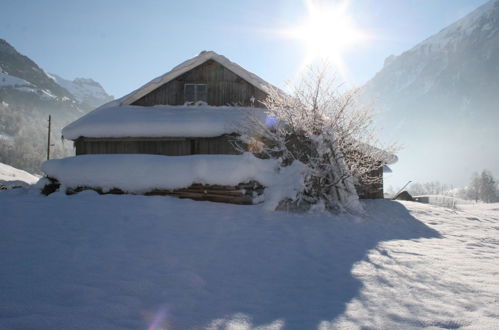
<point>328,32</point>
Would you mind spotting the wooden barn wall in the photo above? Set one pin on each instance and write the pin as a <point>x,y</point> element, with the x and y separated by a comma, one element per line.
<point>156,146</point>
<point>224,88</point>
<point>192,146</point>
<point>372,190</point>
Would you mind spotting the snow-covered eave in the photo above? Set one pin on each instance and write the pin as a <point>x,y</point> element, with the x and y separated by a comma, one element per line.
<point>192,63</point>
<point>160,122</point>
<point>388,158</point>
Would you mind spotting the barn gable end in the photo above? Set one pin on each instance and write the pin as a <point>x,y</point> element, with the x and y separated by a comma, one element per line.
<point>224,87</point>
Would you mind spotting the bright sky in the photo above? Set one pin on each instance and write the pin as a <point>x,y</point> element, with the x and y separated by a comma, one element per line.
<point>123,44</point>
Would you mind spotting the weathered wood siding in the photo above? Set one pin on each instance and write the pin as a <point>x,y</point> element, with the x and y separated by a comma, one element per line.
<point>373,189</point>
<point>224,88</point>
<point>156,146</point>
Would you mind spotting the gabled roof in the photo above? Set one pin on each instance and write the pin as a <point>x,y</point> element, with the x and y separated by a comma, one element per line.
<point>191,64</point>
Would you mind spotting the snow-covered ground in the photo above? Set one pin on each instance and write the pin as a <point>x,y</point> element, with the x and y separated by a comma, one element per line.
<point>13,177</point>
<point>451,282</point>
<point>91,261</point>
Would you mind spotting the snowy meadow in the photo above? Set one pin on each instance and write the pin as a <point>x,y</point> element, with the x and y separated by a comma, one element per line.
<point>90,261</point>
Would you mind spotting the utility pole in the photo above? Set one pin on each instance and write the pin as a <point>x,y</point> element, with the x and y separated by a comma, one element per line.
<point>48,139</point>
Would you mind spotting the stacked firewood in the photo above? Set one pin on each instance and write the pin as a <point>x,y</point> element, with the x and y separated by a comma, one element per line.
<point>243,193</point>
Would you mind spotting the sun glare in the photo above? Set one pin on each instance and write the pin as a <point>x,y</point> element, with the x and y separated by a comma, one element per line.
<point>328,32</point>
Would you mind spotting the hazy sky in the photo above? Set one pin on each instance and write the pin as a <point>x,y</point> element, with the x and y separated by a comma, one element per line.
<point>124,44</point>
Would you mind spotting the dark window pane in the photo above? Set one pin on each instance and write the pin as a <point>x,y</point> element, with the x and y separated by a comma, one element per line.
<point>202,93</point>
<point>189,93</point>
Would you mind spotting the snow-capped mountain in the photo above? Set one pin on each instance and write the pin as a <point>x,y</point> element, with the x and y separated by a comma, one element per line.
<point>440,99</point>
<point>85,90</point>
<point>15,65</point>
<point>28,95</point>
<point>18,73</point>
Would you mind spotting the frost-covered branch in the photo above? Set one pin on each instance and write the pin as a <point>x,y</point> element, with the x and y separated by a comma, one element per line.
<point>321,125</point>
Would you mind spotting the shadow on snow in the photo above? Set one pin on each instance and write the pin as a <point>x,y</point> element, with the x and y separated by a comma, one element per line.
<point>133,262</point>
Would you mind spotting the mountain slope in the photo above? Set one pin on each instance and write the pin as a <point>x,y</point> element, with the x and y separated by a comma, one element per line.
<point>20,66</point>
<point>85,90</point>
<point>28,95</point>
<point>440,100</point>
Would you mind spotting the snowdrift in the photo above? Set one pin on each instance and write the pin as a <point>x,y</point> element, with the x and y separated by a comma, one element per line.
<point>140,173</point>
<point>13,177</point>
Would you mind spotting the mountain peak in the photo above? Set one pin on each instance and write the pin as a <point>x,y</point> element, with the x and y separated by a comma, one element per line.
<point>5,47</point>
<point>442,93</point>
<point>20,66</point>
<point>483,21</point>
<point>85,90</point>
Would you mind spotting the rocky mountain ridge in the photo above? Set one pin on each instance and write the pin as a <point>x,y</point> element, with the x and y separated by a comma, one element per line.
<point>28,95</point>
<point>440,100</point>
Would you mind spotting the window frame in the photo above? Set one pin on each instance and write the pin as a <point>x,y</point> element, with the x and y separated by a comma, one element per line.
<point>196,92</point>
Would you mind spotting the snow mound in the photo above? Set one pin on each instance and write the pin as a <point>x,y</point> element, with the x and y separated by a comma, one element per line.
<point>137,173</point>
<point>141,173</point>
<point>159,121</point>
<point>12,177</point>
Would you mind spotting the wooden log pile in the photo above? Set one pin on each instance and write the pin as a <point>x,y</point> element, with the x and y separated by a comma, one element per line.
<point>243,193</point>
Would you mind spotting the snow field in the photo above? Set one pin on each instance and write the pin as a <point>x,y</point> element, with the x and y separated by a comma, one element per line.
<point>7,80</point>
<point>448,283</point>
<point>89,261</point>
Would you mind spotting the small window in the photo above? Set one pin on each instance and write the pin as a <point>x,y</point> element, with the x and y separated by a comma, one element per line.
<point>195,93</point>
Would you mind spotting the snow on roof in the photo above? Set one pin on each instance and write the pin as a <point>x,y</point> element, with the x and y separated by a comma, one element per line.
<point>159,121</point>
<point>191,64</point>
<point>169,121</point>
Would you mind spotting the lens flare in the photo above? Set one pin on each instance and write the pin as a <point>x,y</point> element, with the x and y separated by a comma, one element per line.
<point>159,320</point>
<point>270,121</point>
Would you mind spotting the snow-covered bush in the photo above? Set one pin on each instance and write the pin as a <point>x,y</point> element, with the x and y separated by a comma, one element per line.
<point>322,126</point>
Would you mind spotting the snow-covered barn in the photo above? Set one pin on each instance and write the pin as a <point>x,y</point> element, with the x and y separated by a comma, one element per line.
<point>194,111</point>
<point>159,118</point>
